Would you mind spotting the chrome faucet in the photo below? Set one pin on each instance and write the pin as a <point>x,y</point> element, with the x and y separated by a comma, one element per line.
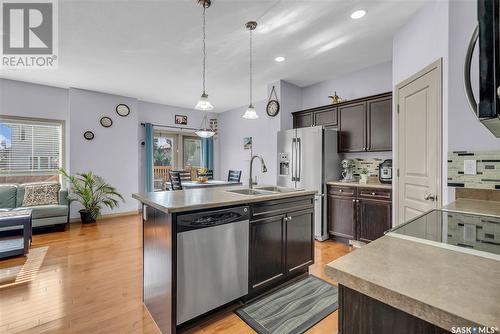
<point>263,169</point>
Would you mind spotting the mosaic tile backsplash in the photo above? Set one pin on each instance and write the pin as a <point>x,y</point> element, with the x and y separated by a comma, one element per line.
<point>487,169</point>
<point>370,164</point>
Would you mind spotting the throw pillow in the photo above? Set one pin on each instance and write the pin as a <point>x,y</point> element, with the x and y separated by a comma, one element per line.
<point>41,194</point>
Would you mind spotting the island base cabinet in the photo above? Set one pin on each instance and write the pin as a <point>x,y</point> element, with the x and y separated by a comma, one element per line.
<point>266,250</point>
<point>281,243</point>
<point>360,314</point>
<point>299,240</point>
<point>158,268</point>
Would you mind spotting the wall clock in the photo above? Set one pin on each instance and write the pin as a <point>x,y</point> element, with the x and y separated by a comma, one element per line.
<point>123,110</point>
<point>273,105</point>
<point>89,135</point>
<point>106,122</point>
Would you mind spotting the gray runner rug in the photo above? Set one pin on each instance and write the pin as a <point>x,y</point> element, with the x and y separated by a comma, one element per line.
<point>293,309</point>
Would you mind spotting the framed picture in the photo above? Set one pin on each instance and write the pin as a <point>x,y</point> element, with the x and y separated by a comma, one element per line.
<point>181,119</point>
<point>247,143</point>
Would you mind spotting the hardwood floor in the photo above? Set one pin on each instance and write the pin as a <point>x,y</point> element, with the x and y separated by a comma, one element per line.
<point>88,279</point>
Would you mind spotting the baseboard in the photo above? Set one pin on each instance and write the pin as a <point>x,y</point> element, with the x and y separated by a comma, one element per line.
<point>110,215</point>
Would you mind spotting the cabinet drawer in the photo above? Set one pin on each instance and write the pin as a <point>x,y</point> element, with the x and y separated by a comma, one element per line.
<point>375,193</point>
<point>342,191</point>
<point>280,207</point>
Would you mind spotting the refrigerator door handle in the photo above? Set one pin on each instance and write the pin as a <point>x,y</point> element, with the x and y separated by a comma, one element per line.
<point>299,162</point>
<point>293,159</point>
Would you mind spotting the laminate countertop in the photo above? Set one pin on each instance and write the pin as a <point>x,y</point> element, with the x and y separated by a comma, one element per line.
<point>441,286</point>
<point>196,199</point>
<point>370,184</point>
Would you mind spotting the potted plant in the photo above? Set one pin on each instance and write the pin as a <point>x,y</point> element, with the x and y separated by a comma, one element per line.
<point>364,175</point>
<point>93,193</point>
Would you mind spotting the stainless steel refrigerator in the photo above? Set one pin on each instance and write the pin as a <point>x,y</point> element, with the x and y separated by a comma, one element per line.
<point>307,158</point>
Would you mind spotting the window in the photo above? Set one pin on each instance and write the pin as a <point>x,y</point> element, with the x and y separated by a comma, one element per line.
<point>30,150</point>
<point>191,152</point>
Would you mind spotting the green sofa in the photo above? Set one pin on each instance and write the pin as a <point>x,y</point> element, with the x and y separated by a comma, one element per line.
<point>11,198</point>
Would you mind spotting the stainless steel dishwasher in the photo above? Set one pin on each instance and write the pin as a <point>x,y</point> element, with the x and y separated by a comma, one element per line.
<point>212,260</point>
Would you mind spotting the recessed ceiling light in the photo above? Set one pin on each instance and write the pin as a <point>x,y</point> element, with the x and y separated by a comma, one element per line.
<point>279,59</point>
<point>358,14</point>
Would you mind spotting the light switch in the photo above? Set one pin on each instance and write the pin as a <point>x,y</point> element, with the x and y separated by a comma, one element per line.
<point>470,167</point>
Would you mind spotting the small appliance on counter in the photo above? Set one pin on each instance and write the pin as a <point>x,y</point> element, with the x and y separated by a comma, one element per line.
<point>385,171</point>
<point>347,173</point>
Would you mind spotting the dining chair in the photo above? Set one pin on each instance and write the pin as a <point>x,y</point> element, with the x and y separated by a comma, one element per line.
<point>209,174</point>
<point>175,181</point>
<point>234,176</point>
<point>185,175</point>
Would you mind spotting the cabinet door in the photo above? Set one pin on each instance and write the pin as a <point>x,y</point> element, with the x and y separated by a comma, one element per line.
<point>341,216</point>
<point>374,218</point>
<point>299,240</point>
<point>352,127</point>
<point>303,120</point>
<point>326,117</point>
<point>266,250</point>
<point>380,124</point>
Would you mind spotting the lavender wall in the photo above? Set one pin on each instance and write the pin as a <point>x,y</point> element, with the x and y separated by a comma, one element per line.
<point>233,128</point>
<point>368,81</point>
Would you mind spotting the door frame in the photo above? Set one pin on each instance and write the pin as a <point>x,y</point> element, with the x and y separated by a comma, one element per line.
<point>437,65</point>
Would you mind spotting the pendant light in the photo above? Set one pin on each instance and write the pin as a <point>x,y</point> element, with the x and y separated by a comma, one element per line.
<point>250,113</point>
<point>204,103</point>
<point>205,131</point>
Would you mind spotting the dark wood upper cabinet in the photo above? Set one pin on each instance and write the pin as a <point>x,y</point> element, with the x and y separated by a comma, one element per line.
<point>374,218</point>
<point>379,124</point>
<point>303,120</point>
<point>352,129</point>
<point>326,117</point>
<point>364,124</point>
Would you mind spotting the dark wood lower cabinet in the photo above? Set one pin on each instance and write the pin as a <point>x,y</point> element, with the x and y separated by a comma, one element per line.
<point>375,218</point>
<point>281,242</point>
<point>354,213</point>
<point>299,240</point>
<point>360,314</point>
<point>266,250</point>
<point>341,216</point>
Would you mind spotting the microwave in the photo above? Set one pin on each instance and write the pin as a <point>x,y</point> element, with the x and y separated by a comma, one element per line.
<point>487,32</point>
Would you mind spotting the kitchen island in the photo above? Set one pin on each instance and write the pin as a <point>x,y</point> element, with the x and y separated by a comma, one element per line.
<point>439,273</point>
<point>206,248</point>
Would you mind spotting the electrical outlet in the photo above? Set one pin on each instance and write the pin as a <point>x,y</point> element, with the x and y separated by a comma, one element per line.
<point>470,167</point>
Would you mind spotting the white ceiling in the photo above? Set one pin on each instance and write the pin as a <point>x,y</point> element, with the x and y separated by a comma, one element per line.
<point>151,50</point>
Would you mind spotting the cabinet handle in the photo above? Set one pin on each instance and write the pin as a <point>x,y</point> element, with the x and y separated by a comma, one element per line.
<point>289,218</point>
<point>373,194</point>
<point>353,200</point>
<point>341,190</point>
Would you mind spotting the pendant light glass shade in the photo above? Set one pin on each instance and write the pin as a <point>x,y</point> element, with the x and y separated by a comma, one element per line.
<point>205,131</point>
<point>250,113</point>
<point>204,103</point>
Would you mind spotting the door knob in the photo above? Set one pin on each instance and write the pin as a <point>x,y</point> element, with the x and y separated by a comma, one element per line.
<point>429,197</point>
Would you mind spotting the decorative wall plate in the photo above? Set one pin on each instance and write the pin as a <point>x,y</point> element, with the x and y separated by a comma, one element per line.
<point>123,110</point>
<point>106,121</point>
<point>89,135</point>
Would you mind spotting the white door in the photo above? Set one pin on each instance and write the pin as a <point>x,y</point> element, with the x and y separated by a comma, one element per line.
<point>419,152</point>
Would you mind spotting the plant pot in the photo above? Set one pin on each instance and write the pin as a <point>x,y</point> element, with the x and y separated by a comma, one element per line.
<point>364,178</point>
<point>88,217</point>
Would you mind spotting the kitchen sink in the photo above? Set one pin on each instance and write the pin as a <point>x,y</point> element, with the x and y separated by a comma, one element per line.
<point>275,189</point>
<point>251,192</point>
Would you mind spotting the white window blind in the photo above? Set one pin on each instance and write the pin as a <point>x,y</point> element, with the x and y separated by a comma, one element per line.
<point>30,147</point>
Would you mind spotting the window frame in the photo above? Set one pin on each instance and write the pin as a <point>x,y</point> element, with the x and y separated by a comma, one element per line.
<point>35,120</point>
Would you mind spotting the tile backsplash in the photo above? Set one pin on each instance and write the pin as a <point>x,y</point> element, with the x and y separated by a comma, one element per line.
<point>370,164</point>
<point>487,169</point>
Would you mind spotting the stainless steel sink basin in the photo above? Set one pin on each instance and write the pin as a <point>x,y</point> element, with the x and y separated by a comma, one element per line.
<point>250,192</point>
<point>275,189</point>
